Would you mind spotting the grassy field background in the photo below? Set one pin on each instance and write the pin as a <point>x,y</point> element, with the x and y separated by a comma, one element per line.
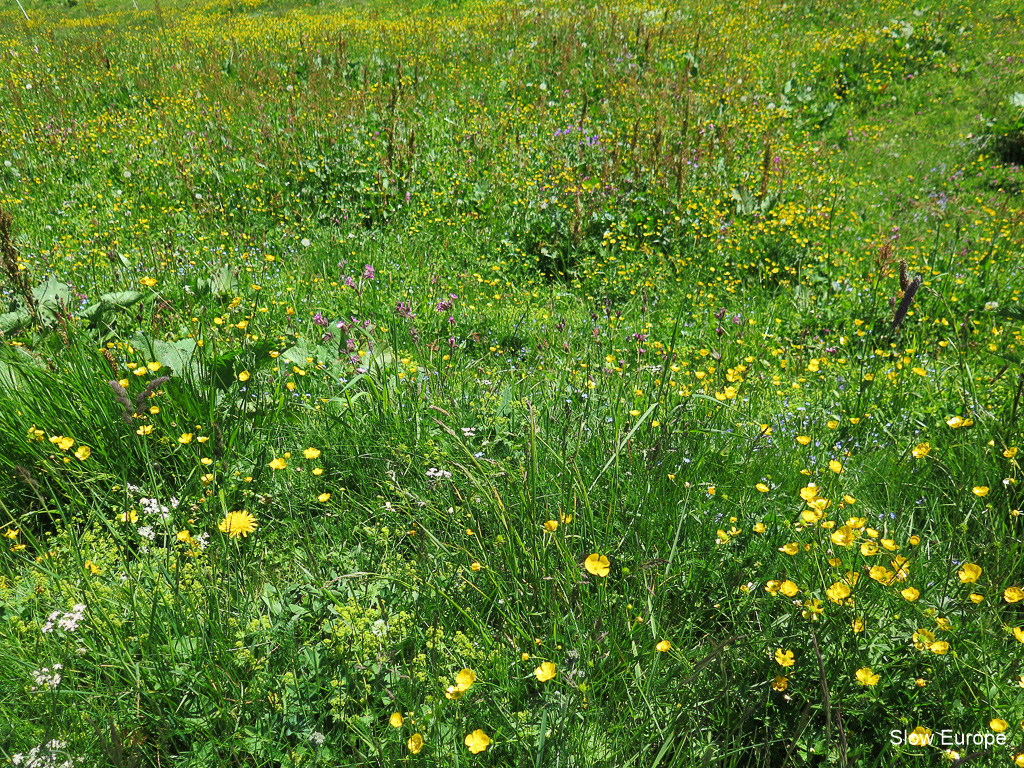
<point>506,383</point>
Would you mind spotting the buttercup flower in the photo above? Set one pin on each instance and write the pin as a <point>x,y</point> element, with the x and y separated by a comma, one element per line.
<point>1013,594</point>
<point>311,453</point>
<point>784,658</point>
<point>663,646</point>
<point>415,743</point>
<point>545,671</point>
<point>920,450</point>
<point>597,565</point>
<point>838,592</point>
<point>465,679</point>
<point>278,463</point>
<point>477,741</point>
<point>780,683</point>
<point>788,588</point>
<point>844,536</point>
<point>969,573</point>
<point>866,677</point>
<point>396,720</point>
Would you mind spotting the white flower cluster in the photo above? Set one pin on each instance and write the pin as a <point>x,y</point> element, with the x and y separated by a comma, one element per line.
<point>153,507</point>
<point>152,511</point>
<point>50,755</point>
<point>47,678</point>
<point>436,474</point>
<point>67,621</point>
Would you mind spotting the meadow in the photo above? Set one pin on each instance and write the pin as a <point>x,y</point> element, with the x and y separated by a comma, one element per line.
<point>511,383</point>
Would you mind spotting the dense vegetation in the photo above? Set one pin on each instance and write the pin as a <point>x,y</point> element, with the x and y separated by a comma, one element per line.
<point>551,383</point>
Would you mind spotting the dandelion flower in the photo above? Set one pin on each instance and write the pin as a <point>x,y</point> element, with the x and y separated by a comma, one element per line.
<point>866,677</point>
<point>477,741</point>
<point>545,671</point>
<point>597,565</point>
<point>237,524</point>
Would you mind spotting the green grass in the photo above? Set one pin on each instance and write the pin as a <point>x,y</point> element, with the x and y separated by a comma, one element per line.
<point>510,336</point>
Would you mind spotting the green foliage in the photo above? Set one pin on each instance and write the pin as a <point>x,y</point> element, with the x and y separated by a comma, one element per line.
<point>384,382</point>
